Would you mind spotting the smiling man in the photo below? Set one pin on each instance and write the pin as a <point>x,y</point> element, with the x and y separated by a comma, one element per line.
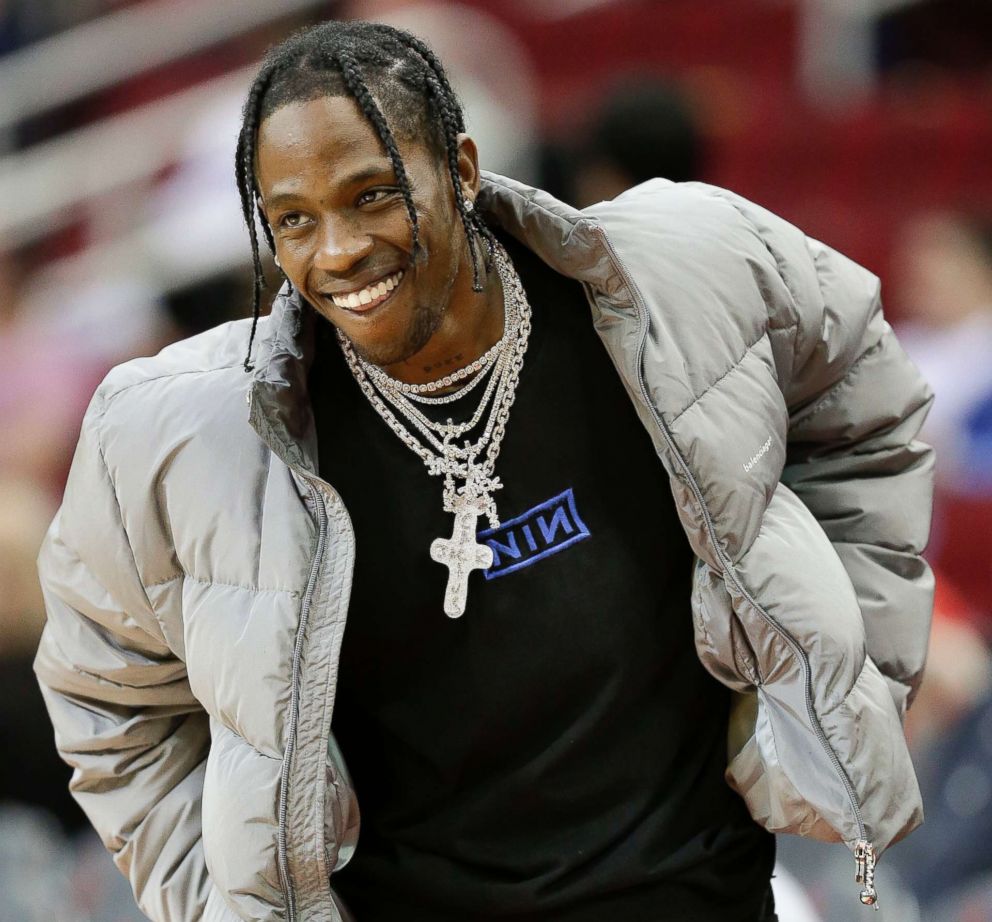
<point>557,560</point>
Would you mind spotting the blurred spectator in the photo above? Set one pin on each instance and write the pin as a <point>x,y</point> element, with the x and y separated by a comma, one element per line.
<point>958,673</point>
<point>952,864</point>
<point>943,265</point>
<point>56,343</point>
<point>43,388</point>
<point>643,129</point>
<point>954,35</point>
<point>209,302</point>
<point>25,511</point>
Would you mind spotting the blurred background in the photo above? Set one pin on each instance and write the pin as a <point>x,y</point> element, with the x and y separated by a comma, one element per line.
<point>868,123</point>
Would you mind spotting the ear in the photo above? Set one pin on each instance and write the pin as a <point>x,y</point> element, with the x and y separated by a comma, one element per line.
<point>468,166</point>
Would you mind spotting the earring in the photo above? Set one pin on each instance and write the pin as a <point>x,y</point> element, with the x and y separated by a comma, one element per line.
<point>469,206</point>
<point>276,258</point>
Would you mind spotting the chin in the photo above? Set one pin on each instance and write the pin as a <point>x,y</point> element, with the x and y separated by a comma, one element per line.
<point>383,350</point>
<point>381,353</point>
<point>376,350</point>
<point>402,347</point>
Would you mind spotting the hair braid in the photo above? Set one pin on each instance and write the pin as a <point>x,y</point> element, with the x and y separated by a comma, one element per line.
<point>356,86</point>
<point>244,163</point>
<point>269,239</point>
<point>433,62</point>
<point>451,151</point>
<point>453,120</point>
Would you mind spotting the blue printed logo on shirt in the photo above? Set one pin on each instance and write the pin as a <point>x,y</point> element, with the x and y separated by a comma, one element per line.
<point>538,533</point>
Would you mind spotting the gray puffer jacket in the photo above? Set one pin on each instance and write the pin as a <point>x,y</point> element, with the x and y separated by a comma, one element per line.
<point>197,576</point>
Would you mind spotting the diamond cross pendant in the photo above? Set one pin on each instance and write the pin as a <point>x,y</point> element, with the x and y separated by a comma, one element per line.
<point>461,554</point>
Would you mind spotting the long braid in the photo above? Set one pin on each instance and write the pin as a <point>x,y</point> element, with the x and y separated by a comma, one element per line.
<point>356,86</point>
<point>245,174</point>
<point>269,239</point>
<point>451,150</point>
<point>454,121</point>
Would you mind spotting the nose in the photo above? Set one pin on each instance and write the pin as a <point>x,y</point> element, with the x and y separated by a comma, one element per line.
<point>341,245</point>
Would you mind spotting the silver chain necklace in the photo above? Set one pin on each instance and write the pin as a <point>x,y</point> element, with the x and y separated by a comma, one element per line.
<point>468,470</point>
<point>421,393</point>
<point>410,390</point>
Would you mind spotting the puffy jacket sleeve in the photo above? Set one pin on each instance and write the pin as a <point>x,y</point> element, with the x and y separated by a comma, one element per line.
<point>124,716</point>
<point>856,404</point>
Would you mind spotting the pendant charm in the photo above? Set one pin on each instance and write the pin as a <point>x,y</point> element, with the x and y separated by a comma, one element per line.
<point>461,554</point>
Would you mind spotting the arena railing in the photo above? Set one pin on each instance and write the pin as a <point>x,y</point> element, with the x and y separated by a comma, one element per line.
<point>107,50</point>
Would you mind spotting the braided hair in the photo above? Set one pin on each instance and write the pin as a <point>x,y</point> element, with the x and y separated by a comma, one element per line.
<point>400,86</point>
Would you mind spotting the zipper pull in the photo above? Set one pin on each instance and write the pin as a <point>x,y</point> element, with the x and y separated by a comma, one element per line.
<point>864,862</point>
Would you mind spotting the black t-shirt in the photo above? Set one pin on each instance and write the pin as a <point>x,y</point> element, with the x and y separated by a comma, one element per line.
<point>557,753</point>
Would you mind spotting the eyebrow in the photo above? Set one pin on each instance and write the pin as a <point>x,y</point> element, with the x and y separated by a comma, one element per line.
<point>363,174</point>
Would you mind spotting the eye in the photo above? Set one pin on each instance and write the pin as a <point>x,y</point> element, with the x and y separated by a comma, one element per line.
<point>373,196</point>
<point>292,220</point>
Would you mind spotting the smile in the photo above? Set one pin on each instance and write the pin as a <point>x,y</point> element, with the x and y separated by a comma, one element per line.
<point>370,296</point>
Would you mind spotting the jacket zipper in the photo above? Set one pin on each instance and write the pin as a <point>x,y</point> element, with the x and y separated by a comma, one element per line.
<point>864,850</point>
<point>864,873</point>
<point>294,706</point>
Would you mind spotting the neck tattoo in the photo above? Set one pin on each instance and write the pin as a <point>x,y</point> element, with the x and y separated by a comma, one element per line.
<point>444,363</point>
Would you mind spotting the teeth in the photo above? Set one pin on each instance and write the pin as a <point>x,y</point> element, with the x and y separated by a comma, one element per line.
<point>369,294</point>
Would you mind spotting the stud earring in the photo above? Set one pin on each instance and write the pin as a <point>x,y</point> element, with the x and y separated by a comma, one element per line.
<point>469,206</point>
<point>276,258</point>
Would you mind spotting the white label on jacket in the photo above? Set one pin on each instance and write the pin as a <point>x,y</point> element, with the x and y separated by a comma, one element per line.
<point>761,452</point>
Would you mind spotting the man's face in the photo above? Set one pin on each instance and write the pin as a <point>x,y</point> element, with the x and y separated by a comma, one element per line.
<point>342,230</point>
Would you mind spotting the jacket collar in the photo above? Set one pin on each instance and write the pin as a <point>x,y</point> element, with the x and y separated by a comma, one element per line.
<point>279,398</point>
<point>569,241</point>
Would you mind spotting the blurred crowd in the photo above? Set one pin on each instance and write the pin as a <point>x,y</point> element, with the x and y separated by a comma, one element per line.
<point>866,124</point>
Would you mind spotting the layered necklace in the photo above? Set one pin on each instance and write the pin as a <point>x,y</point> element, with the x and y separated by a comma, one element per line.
<point>467,466</point>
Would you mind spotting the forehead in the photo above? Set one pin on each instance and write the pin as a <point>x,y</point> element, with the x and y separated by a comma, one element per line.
<point>300,138</point>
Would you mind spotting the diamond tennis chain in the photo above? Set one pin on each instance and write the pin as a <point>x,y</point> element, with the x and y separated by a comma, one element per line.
<point>421,393</point>
<point>468,469</point>
<point>441,454</point>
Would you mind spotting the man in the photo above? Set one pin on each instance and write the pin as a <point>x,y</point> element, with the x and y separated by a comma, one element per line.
<point>428,400</point>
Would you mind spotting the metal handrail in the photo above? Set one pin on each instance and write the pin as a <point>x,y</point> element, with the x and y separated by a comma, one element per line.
<point>41,185</point>
<point>107,50</point>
